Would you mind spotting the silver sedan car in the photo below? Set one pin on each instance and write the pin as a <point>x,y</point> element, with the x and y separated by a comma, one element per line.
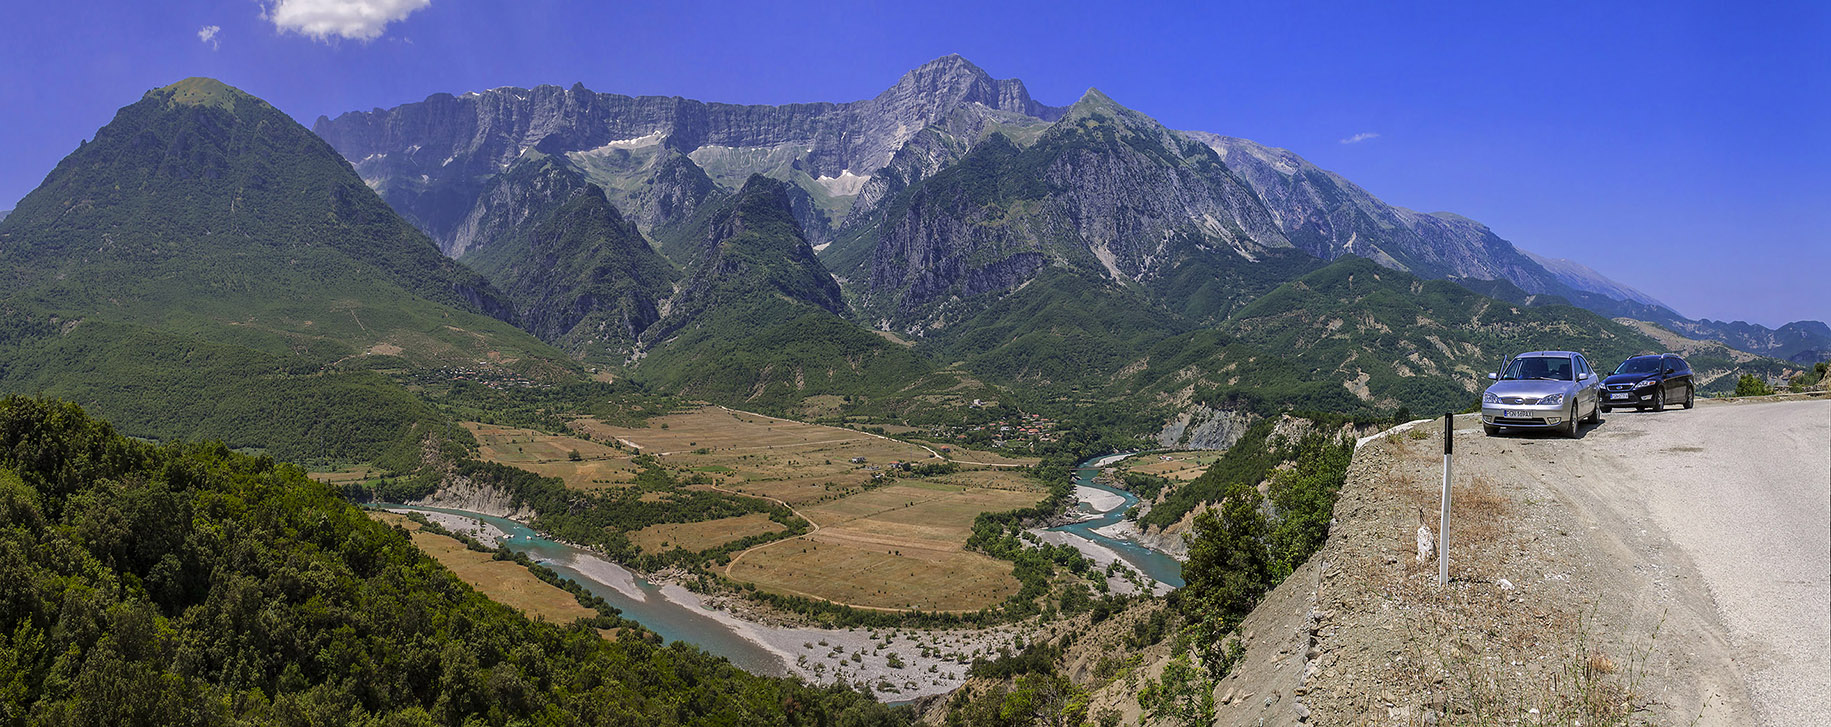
<point>1541,390</point>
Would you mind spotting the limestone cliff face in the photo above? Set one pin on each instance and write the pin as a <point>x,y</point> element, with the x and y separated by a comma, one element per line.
<point>435,159</point>
<point>1104,190</point>
<point>458,492</point>
<point>1204,427</point>
<point>1329,216</point>
<point>947,187</point>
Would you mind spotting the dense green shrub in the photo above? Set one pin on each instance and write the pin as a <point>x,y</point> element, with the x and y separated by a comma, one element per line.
<point>187,584</point>
<point>1751,385</point>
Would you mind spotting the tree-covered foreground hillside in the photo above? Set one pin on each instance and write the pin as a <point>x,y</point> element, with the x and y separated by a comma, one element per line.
<point>186,584</point>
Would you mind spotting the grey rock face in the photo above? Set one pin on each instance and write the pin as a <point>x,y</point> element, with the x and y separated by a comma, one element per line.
<point>1329,216</point>
<point>526,192</point>
<point>1100,188</point>
<point>867,133</point>
<point>1105,190</point>
<point>1204,427</point>
<point>433,160</point>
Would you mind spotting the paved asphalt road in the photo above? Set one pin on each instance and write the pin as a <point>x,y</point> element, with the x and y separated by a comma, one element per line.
<point>1744,490</point>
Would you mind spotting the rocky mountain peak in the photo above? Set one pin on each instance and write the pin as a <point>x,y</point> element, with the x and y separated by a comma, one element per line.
<point>951,81</point>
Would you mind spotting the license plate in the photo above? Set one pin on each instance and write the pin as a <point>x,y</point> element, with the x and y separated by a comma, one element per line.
<point>1619,396</point>
<point>1518,415</point>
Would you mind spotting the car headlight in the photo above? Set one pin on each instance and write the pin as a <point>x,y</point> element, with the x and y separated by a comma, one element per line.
<point>1488,397</point>
<point>1552,399</point>
<point>1644,383</point>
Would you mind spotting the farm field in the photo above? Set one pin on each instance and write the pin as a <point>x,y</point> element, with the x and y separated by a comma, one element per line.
<point>896,545</point>
<point>900,546</point>
<point>703,535</point>
<point>976,455</point>
<point>503,581</point>
<point>794,462</point>
<point>1180,466</point>
<point>550,455</point>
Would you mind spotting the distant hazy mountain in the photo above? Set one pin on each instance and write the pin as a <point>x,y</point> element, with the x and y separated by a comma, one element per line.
<point>205,266</point>
<point>1799,341</point>
<point>1582,277</point>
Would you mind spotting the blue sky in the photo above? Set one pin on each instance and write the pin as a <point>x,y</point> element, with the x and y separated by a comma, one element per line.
<point>1681,148</point>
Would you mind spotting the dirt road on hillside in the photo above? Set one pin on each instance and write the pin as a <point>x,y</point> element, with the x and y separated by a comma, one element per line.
<point>1744,493</point>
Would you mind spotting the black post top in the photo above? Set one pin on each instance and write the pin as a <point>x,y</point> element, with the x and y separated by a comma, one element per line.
<point>1449,431</point>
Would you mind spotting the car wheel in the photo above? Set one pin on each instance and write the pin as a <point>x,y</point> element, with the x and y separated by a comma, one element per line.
<point>1690,396</point>
<point>1659,399</point>
<point>1604,409</point>
<point>1570,423</point>
<point>1490,429</point>
<point>1595,415</point>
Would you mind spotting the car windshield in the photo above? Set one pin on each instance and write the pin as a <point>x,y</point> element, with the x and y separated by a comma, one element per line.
<point>1550,368</point>
<point>1643,365</point>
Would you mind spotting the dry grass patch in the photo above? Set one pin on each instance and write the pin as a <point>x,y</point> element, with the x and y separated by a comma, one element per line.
<point>799,492</point>
<point>550,455</point>
<point>899,546</point>
<point>703,535</point>
<point>979,455</point>
<point>791,461</point>
<point>1182,467</point>
<point>505,582</point>
<point>719,428</point>
<point>867,575</point>
<point>991,479</point>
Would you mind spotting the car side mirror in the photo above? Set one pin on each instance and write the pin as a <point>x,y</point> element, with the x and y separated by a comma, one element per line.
<point>1493,376</point>
<point>1583,376</point>
<point>1671,371</point>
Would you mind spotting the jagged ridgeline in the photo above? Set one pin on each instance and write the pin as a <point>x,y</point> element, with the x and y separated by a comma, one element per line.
<point>951,189</point>
<point>190,585</point>
<point>207,267</point>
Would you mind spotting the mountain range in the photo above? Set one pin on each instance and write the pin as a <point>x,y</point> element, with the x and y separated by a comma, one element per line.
<point>206,266</point>
<point>952,187</point>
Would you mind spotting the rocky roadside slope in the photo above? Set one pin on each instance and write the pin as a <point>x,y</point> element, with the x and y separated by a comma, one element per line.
<point>1555,614</point>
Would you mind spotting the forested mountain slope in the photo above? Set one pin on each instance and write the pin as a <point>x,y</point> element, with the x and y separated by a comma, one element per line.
<point>758,320</point>
<point>207,267</point>
<point>575,271</point>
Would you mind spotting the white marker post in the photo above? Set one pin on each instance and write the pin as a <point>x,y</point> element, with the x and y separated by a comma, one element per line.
<point>1443,520</point>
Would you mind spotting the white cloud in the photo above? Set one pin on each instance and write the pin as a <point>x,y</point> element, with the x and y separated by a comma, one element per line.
<point>1363,136</point>
<point>353,19</point>
<point>208,33</point>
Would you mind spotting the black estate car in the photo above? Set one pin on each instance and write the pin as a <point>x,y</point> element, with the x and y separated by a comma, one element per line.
<point>1650,381</point>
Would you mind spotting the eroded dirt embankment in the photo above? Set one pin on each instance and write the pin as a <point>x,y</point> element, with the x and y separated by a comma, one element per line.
<point>1565,605</point>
